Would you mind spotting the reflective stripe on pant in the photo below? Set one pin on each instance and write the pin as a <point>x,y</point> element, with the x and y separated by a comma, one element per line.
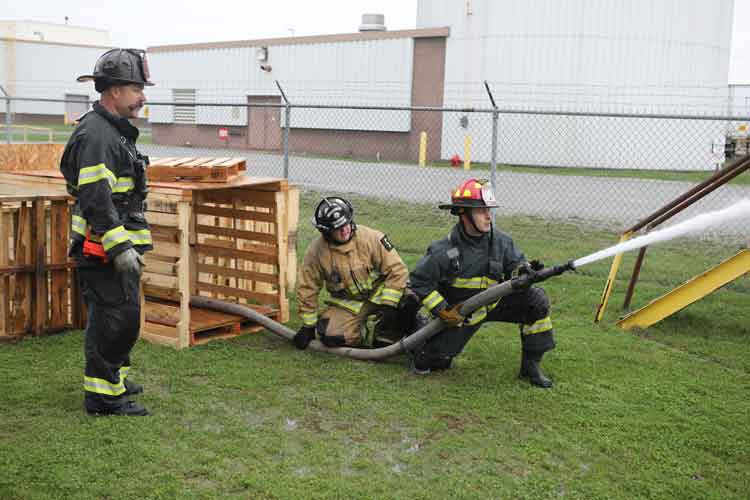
<point>112,328</point>
<point>525,307</point>
<point>347,324</point>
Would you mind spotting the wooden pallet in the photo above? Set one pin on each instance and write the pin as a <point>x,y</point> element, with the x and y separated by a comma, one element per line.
<point>162,318</point>
<point>38,286</point>
<point>174,169</point>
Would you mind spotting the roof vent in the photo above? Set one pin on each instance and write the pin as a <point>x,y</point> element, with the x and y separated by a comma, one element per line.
<point>372,22</point>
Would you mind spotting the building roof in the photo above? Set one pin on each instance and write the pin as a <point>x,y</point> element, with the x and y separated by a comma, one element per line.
<point>299,40</point>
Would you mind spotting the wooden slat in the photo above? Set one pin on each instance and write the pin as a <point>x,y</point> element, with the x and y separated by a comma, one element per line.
<point>5,238</point>
<point>263,298</point>
<point>236,233</point>
<point>22,297</point>
<point>157,162</point>
<point>160,267</point>
<point>160,280</point>
<point>164,233</point>
<point>292,216</point>
<point>197,162</point>
<point>178,161</point>
<point>238,273</point>
<point>211,251</point>
<point>160,292</point>
<point>59,227</point>
<point>234,214</point>
<point>215,162</point>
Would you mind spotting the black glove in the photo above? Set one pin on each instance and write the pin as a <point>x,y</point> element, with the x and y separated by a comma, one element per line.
<point>333,340</point>
<point>304,336</point>
<point>389,317</point>
<point>536,265</point>
<point>530,267</point>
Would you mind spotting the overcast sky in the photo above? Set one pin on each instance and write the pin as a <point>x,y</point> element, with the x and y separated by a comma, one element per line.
<point>141,23</point>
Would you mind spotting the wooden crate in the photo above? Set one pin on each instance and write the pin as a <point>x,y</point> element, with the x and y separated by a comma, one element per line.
<point>38,284</point>
<point>228,241</point>
<point>195,169</point>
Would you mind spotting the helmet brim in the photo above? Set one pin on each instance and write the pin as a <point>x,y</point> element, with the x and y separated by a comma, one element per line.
<point>448,206</point>
<point>91,78</point>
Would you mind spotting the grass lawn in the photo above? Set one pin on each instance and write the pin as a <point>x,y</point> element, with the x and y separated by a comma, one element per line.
<point>60,133</point>
<point>662,413</point>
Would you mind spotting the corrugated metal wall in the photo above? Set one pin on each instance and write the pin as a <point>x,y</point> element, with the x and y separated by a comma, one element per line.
<point>653,56</point>
<point>356,73</point>
<point>45,70</point>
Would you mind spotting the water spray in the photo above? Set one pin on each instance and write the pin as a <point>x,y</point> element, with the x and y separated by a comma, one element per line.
<point>739,210</point>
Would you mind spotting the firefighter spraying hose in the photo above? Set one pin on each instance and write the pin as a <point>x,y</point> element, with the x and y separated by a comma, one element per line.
<point>740,210</point>
<point>489,296</point>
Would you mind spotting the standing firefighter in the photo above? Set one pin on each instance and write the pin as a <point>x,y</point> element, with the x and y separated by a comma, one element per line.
<point>364,276</point>
<point>473,257</point>
<point>107,176</point>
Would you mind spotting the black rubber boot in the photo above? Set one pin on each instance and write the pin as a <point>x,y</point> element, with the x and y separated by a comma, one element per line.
<point>128,408</point>
<point>132,388</point>
<point>530,369</point>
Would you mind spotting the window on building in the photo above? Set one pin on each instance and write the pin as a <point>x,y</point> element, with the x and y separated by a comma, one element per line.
<point>184,114</point>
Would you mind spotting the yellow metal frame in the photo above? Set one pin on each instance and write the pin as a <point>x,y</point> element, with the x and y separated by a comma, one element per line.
<point>689,292</point>
<point>609,286</point>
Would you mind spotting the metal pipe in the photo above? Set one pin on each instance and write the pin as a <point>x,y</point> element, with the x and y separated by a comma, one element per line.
<point>720,173</point>
<point>701,194</point>
<point>634,277</point>
<point>412,342</point>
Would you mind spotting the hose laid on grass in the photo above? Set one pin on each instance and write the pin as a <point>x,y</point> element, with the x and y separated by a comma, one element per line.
<point>413,341</point>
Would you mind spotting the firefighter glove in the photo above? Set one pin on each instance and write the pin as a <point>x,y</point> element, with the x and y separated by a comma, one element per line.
<point>530,267</point>
<point>390,316</point>
<point>129,261</point>
<point>304,336</point>
<point>451,316</point>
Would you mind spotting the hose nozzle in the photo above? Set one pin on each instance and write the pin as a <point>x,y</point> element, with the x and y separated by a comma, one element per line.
<point>529,279</point>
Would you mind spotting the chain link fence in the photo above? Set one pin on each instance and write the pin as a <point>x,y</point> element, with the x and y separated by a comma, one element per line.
<point>596,169</point>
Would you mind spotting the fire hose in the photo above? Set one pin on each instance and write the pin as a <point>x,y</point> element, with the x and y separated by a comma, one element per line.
<point>410,343</point>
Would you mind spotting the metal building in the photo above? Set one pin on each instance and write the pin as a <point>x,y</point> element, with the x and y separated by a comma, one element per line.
<point>386,68</point>
<point>638,56</point>
<point>41,60</point>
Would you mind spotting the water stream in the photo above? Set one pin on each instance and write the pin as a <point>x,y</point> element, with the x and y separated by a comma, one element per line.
<point>740,210</point>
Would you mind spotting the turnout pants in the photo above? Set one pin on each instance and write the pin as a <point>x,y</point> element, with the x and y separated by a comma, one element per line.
<point>112,328</point>
<point>529,308</point>
<point>366,327</point>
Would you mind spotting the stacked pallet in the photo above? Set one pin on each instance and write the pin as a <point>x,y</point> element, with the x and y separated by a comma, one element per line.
<point>38,288</point>
<point>195,169</point>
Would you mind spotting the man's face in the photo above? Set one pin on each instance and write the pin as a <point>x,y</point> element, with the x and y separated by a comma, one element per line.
<point>482,220</point>
<point>342,234</point>
<point>128,99</point>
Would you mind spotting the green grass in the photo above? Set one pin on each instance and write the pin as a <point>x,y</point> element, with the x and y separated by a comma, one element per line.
<point>60,134</point>
<point>657,414</point>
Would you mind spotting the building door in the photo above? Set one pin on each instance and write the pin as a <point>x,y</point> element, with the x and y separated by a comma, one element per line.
<point>264,124</point>
<point>75,106</point>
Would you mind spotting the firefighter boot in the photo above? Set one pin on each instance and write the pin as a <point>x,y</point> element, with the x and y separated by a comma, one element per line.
<point>132,388</point>
<point>126,407</point>
<point>530,369</point>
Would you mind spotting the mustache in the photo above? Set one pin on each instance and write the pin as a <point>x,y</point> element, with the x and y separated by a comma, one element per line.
<point>135,107</point>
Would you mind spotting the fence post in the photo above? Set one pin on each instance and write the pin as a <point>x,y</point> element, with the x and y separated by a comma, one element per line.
<point>493,159</point>
<point>8,120</point>
<point>287,117</point>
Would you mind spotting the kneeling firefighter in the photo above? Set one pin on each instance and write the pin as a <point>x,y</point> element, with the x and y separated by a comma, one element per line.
<point>473,257</point>
<point>106,175</point>
<point>364,276</point>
